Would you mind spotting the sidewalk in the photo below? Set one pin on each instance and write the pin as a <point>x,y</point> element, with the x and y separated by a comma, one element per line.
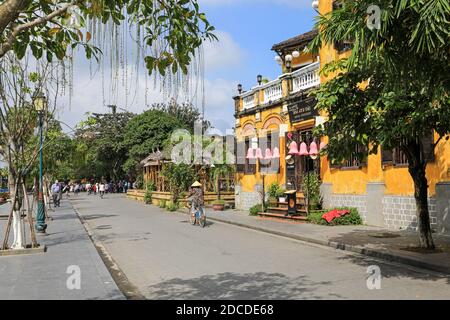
<point>43,275</point>
<point>372,241</point>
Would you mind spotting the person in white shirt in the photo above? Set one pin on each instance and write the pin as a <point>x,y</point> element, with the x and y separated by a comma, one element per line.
<point>101,189</point>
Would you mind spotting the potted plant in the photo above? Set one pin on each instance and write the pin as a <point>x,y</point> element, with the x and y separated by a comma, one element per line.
<point>273,193</point>
<point>281,195</point>
<point>218,205</point>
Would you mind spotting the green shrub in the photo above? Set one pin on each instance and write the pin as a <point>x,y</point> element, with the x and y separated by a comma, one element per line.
<point>171,206</point>
<point>273,190</point>
<point>256,209</point>
<point>352,218</point>
<point>150,187</point>
<point>311,183</point>
<point>219,201</point>
<point>162,204</point>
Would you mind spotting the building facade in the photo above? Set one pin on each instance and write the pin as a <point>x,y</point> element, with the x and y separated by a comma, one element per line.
<point>379,185</point>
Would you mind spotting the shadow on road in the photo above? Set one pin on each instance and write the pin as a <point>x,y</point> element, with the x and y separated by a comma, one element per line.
<point>234,286</point>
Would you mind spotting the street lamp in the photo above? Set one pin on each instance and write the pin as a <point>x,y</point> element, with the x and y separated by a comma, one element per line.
<point>40,105</point>
<point>239,87</point>
<point>259,79</point>
<point>288,62</point>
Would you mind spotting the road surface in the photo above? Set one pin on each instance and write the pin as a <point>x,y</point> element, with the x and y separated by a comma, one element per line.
<point>165,257</point>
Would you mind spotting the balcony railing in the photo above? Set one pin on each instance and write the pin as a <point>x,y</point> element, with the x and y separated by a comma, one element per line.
<point>273,91</point>
<point>249,101</point>
<point>302,79</point>
<point>306,77</point>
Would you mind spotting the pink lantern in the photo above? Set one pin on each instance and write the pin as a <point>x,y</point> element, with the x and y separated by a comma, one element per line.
<point>268,154</point>
<point>303,150</point>
<point>322,145</point>
<point>276,153</point>
<point>250,154</point>
<point>258,154</point>
<point>293,149</point>
<point>313,149</point>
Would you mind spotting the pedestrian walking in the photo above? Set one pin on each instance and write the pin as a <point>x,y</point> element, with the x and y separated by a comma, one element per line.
<point>102,189</point>
<point>56,187</point>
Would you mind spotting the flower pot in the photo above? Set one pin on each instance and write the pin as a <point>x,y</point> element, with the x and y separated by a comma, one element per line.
<point>218,207</point>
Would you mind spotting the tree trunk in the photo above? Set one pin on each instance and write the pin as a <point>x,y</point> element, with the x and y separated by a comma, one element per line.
<point>17,222</point>
<point>421,196</point>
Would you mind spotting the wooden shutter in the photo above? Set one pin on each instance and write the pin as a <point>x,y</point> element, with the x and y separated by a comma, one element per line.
<point>387,156</point>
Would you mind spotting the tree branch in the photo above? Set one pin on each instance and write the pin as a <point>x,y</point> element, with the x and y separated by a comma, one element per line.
<point>7,44</point>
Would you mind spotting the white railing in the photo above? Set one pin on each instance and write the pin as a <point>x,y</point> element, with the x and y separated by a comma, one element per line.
<point>249,101</point>
<point>273,91</point>
<point>306,77</point>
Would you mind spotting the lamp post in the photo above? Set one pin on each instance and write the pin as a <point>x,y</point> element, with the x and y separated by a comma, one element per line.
<point>40,104</point>
<point>239,87</point>
<point>259,79</point>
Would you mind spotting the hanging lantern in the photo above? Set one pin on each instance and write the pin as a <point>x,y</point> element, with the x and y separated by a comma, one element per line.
<point>322,145</point>
<point>276,153</point>
<point>250,154</point>
<point>303,150</point>
<point>258,154</point>
<point>313,152</point>
<point>293,149</point>
<point>313,149</point>
<point>268,154</point>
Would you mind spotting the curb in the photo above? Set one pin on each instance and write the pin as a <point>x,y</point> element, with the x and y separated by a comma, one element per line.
<point>346,247</point>
<point>126,288</point>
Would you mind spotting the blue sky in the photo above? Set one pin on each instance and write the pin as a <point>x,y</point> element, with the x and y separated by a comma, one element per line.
<point>247,29</point>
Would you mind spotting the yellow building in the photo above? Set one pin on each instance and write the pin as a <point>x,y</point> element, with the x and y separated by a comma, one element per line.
<point>379,186</point>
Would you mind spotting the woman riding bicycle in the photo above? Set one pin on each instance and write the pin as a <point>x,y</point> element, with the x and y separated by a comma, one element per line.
<point>196,195</point>
<point>196,201</point>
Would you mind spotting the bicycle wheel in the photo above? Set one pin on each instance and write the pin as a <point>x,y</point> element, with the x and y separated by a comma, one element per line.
<point>192,218</point>
<point>202,220</point>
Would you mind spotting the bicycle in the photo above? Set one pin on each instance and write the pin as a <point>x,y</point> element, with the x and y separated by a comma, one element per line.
<point>198,215</point>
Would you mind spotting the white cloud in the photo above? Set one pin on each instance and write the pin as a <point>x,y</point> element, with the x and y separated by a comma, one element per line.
<point>221,55</point>
<point>224,53</point>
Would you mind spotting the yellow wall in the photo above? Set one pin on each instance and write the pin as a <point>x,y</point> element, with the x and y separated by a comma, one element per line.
<point>397,179</point>
<point>249,181</point>
<point>353,181</point>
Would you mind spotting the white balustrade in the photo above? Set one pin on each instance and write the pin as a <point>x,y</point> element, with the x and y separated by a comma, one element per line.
<point>249,101</point>
<point>306,77</point>
<point>273,91</point>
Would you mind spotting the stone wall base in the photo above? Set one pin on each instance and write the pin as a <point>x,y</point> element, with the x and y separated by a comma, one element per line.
<point>244,200</point>
<point>390,211</point>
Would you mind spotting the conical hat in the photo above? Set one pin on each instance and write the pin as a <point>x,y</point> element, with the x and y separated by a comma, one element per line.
<point>196,184</point>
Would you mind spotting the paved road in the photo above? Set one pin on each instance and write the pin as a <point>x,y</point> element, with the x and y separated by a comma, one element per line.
<point>166,258</point>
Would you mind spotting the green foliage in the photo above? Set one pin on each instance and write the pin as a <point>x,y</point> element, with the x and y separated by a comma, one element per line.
<point>275,190</point>
<point>187,113</point>
<point>150,187</point>
<point>179,177</point>
<point>311,184</point>
<point>104,151</point>
<point>219,202</point>
<point>162,204</point>
<point>179,27</point>
<point>146,132</point>
<point>352,218</point>
<point>404,65</point>
<point>172,206</point>
<point>256,209</point>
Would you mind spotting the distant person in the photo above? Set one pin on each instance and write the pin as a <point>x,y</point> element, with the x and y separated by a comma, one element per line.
<point>56,187</point>
<point>101,189</point>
